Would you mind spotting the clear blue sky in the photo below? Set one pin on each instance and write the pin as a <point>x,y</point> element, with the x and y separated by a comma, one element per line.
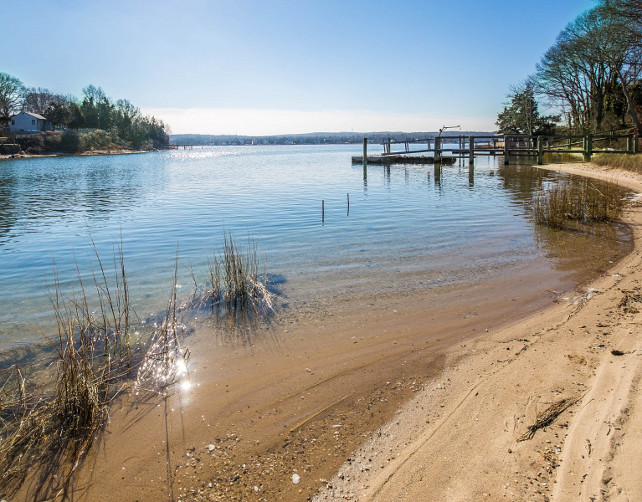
<point>268,67</point>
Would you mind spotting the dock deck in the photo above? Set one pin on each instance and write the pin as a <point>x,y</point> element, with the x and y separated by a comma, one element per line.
<point>387,160</point>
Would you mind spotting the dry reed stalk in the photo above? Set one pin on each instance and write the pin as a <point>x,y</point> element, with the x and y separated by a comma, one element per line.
<point>548,416</point>
<point>53,429</point>
<point>581,202</point>
<point>165,361</point>
<point>235,283</point>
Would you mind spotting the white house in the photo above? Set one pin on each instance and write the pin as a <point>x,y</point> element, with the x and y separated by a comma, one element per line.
<point>27,121</point>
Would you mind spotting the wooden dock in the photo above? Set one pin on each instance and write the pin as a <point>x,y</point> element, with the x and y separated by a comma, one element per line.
<point>431,150</point>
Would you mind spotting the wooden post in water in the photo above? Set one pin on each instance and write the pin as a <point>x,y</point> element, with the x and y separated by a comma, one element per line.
<point>438,149</point>
<point>365,150</point>
<point>588,147</point>
<point>348,197</point>
<point>388,145</point>
<point>506,141</point>
<point>322,211</point>
<point>471,150</point>
<point>540,150</point>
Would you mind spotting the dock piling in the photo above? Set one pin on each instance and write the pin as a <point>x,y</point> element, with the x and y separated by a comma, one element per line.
<point>506,150</point>
<point>365,150</point>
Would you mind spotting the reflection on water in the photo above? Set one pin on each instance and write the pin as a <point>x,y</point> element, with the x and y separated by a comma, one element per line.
<point>408,228</point>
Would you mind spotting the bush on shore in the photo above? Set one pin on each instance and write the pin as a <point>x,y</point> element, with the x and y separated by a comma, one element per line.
<point>77,142</point>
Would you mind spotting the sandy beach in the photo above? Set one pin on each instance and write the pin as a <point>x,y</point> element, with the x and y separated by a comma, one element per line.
<point>466,436</point>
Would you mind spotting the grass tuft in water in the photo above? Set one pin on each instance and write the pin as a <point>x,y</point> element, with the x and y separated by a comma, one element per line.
<point>235,283</point>
<point>568,203</point>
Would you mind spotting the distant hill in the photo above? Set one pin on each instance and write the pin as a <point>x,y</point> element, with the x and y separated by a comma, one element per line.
<point>315,138</point>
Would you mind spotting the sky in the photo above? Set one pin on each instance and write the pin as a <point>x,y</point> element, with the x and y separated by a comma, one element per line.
<point>262,67</point>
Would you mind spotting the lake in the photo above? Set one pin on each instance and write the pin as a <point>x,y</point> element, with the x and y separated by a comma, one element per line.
<point>408,228</point>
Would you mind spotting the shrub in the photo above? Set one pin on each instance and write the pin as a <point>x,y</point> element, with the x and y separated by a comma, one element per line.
<point>70,142</point>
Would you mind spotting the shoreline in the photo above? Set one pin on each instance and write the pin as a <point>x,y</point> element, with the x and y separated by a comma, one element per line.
<point>463,437</point>
<point>89,153</point>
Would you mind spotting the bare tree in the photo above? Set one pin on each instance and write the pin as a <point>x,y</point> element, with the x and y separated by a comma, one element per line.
<point>11,96</point>
<point>622,25</point>
<point>597,53</point>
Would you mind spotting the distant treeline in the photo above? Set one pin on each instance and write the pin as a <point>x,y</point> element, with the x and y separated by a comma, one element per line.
<point>338,138</point>
<point>93,122</point>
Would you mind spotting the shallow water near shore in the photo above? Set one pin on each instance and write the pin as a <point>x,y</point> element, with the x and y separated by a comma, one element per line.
<point>407,228</point>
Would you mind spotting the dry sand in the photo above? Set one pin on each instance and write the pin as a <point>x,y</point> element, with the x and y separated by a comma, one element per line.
<point>463,437</point>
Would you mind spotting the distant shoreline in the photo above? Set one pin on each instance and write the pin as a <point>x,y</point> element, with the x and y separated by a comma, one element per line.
<point>314,138</point>
<point>18,156</point>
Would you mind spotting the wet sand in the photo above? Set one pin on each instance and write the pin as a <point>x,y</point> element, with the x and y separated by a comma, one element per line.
<point>384,376</point>
<point>300,401</point>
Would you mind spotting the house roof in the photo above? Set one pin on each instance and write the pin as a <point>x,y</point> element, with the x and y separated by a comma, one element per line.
<point>35,115</point>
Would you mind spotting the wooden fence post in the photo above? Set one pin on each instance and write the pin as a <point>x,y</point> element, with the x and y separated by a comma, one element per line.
<point>629,143</point>
<point>636,144</point>
<point>365,150</point>
<point>471,150</point>
<point>588,147</point>
<point>540,150</point>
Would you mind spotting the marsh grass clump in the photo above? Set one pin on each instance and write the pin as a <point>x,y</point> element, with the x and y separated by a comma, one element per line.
<point>234,280</point>
<point>48,429</point>
<point>91,356</point>
<point>568,204</point>
<point>624,161</point>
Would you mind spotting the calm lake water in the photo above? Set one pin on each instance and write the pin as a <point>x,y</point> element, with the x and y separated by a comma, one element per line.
<point>408,228</point>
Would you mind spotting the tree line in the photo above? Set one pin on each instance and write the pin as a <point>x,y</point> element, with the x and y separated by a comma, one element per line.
<point>119,122</point>
<point>591,77</point>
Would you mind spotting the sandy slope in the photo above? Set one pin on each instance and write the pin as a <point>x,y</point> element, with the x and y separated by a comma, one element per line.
<point>459,439</point>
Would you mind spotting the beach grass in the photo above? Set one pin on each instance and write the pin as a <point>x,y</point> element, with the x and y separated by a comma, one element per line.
<point>234,279</point>
<point>566,204</point>
<point>624,161</point>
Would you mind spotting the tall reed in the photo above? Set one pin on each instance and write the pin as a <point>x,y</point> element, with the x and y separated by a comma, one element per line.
<point>569,203</point>
<point>165,361</point>
<point>234,277</point>
<point>50,429</point>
